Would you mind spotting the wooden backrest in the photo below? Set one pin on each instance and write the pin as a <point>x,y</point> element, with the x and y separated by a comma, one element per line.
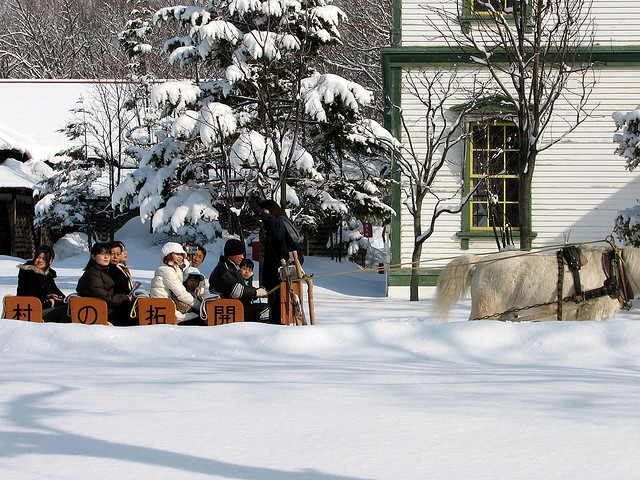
<point>287,316</point>
<point>154,311</point>
<point>224,310</point>
<point>22,308</point>
<point>88,310</point>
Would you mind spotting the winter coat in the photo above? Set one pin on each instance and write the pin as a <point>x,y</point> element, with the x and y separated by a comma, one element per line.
<point>227,281</point>
<point>37,282</point>
<point>121,278</point>
<point>96,282</point>
<point>275,249</point>
<point>201,289</point>
<point>167,283</point>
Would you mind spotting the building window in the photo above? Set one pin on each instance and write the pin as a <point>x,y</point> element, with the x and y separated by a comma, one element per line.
<point>494,153</point>
<point>488,6</point>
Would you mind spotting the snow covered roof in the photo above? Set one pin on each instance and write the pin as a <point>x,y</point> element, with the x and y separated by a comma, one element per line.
<point>16,174</point>
<point>34,110</point>
<point>10,178</point>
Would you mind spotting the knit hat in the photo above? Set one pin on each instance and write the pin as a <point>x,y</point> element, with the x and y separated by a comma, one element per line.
<point>234,247</point>
<point>191,271</point>
<point>172,247</point>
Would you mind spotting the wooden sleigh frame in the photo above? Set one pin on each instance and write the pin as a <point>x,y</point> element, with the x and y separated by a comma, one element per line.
<point>291,294</point>
<point>28,309</point>
<point>94,311</point>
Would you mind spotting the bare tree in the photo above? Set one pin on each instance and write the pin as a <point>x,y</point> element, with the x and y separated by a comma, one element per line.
<point>537,52</point>
<point>68,39</point>
<point>42,42</point>
<point>94,165</point>
<point>357,57</point>
<point>444,131</point>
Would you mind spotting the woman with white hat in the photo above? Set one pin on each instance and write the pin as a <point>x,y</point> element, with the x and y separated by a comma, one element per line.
<point>168,278</point>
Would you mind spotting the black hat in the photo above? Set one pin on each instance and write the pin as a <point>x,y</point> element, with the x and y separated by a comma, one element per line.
<point>234,247</point>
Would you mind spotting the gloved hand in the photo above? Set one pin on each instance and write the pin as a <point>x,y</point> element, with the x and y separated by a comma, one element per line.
<point>261,292</point>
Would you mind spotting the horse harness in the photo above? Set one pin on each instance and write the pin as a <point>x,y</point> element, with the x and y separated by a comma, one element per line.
<point>613,268</point>
<point>616,284</point>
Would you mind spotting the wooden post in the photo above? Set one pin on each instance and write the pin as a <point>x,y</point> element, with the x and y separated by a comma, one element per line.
<point>309,281</point>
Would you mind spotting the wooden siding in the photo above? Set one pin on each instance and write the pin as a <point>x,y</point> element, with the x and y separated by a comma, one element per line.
<point>579,186</point>
<point>610,30</point>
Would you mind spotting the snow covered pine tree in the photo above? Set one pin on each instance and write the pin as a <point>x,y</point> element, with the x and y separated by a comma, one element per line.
<point>263,124</point>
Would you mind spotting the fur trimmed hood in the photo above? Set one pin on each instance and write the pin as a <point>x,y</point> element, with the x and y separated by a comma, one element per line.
<point>29,266</point>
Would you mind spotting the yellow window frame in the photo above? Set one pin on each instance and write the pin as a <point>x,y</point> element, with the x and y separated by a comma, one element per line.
<point>497,161</point>
<point>472,6</point>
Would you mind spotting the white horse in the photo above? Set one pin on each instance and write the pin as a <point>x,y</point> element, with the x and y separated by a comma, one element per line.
<point>505,283</point>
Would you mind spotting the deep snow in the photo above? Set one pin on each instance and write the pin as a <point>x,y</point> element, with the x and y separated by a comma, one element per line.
<point>373,391</point>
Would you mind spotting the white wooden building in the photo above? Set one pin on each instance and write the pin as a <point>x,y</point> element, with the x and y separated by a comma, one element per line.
<point>579,184</point>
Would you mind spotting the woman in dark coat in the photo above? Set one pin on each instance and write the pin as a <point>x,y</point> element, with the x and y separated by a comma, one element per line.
<point>118,270</point>
<point>36,278</point>
<point>96,282</point>
<point>276,249</point>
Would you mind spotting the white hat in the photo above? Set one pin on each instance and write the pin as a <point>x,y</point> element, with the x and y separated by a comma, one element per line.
<point>172,247</point>
<point>191,271</point>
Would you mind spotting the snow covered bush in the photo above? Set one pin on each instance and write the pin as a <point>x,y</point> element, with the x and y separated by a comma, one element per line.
<point>627,224</point>
<point>257,121</point>
<point>349,235</point>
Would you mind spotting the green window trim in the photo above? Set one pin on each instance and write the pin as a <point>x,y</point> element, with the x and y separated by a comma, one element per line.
<point>499,175</point>
<point>475,7</point>
<point>495,154</point>
<point>469,13</point>
<point>466,237</point>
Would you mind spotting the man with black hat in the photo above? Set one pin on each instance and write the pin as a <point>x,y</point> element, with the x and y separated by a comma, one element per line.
<point>227,281</point>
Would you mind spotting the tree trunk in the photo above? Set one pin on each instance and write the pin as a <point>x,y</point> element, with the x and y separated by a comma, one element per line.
<point>283,193</point>
<point>524,199</point>
<point>417,251</point>
<point>415,272</point>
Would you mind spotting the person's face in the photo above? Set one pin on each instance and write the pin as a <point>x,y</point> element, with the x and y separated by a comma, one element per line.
<point>192,283</point>
<point>124,256</point>
<point>103,258</point>
<point>116,253</point>
<point>40,261</point>
<point>236,258</point>
<point>196,259</point>
<point>177,258</point>
<point>246,272</point>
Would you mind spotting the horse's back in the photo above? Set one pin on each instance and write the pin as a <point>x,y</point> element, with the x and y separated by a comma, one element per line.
<point>509,283</point>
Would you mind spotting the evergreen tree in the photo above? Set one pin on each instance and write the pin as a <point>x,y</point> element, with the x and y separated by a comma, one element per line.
<point>67,197</point>
<point>88,171</point>
<point>627,224</point>
<point>257,120</point>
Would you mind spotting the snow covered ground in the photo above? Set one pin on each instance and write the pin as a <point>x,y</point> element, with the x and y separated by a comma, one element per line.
<point>373,391</point>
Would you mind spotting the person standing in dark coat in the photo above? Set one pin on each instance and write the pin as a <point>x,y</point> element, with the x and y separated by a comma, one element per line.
<point>275,250</point>
<point>36,278</point>
<point>96,282</point>
<point>227,281</point>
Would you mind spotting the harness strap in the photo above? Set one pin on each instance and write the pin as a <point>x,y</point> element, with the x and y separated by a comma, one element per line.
<point>614,270</point>
<point>571,255</point>
<point>559,256</point>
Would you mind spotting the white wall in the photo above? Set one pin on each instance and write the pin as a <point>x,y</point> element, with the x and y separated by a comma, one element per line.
<point>580,184</point>
<point>617,21</point>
